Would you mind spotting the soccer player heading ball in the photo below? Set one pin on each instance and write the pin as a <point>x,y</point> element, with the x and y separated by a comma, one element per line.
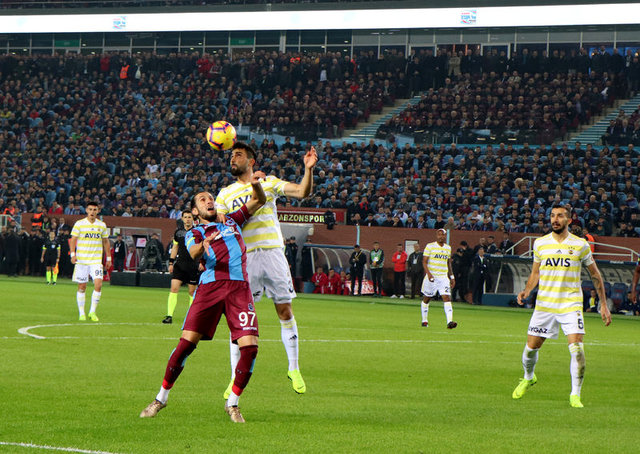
<point>266,263</point>
<point>223,289</point>
<point>557,262</point>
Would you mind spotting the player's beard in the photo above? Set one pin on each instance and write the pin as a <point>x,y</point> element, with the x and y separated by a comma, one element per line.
<point>236,171</point>
<point>559,231</point>
<point>206,216</point>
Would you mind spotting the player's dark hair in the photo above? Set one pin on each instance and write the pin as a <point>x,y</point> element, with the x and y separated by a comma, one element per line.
<point>565,207</point>
<point>186,212</point>
<point>93,204</point>
<point>251,153</point>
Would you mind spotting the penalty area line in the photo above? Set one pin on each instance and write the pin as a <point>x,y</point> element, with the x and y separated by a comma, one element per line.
<point>53,448</point>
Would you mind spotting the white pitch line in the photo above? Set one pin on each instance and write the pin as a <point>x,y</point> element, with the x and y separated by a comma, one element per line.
<point>449,337</point>
<point>53,448</point>
<point>26,329</point>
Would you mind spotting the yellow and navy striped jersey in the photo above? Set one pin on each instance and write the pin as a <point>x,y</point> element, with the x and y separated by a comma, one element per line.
<point>262,231</point>
<point>559,287</point>
<point>438,258</point>
<point>89,245</point>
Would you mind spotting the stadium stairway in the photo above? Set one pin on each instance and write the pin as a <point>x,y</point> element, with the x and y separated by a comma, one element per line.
<point>368,131</point>
<point>593,133</point>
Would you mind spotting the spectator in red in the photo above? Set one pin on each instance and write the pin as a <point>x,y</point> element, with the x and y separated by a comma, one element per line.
<point>399,259</point>
<point>55,209</point>
<point>320,280</point>
<point>104,63</point>
<point>333,282</point>
<point>343,289</point>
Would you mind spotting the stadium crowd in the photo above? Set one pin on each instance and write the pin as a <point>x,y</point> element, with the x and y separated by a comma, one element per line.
<point>48,4</point>
<point>523,98</point>
<point>128,134</point>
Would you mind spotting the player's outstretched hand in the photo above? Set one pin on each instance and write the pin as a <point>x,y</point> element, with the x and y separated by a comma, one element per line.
<point>605,314</point>
<point>311,158</point>
<point>521,298</point>
<point>258,176</point>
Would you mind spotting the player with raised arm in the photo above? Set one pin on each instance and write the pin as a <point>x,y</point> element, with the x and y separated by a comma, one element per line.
<point>438,278</point>
<point>557,263</point>
<point>181,266</point>
<point>89,241</point>
<point>266,263</point>
<point>223,289</point>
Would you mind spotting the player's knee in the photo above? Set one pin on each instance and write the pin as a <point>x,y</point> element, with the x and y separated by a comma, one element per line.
<point>284,311</point>
<point>247,341</point>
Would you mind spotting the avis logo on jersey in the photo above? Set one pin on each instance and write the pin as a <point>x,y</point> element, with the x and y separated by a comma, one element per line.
<point>566,262</point>
<point>237,203</point>
<point>92,235</point>
<point>243,199</point>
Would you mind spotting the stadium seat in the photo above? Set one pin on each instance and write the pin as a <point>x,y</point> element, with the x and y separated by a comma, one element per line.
<point>587,286</point>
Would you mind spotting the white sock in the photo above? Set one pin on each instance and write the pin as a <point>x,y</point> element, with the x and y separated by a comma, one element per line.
<point>289,332</point>
<point>95,299</point>
<point>529,360</point>
<point>80,299</point>
<point>577,366</point>
<point>233,399</point>
<point>425,311</point>
<point>234,357</point>
<point>448,311</point>
<point>163,395</point>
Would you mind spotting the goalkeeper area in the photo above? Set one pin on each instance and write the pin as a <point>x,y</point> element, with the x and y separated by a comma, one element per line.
<point>377,381</point>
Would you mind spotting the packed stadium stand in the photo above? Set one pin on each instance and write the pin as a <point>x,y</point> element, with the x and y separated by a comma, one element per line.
<point>47,4</point>
<point>128,132</point>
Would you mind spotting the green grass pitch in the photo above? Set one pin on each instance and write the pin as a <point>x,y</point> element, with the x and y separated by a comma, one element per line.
<point>377,382</point>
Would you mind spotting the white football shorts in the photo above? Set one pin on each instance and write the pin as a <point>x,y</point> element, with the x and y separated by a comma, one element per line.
<point>269,273</point>
<point>545,324</point>
<point>81,273</point>
<point>440,284</point>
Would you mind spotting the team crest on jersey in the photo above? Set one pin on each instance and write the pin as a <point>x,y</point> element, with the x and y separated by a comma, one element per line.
<point>229,222</point>
<point>250,306</point>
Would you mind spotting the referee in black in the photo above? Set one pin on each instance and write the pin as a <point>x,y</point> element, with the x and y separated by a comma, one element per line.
<point>51,257</point>
<point>181,266</point>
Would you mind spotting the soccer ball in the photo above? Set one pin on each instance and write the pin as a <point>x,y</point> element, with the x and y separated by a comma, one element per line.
<point>221,135</point>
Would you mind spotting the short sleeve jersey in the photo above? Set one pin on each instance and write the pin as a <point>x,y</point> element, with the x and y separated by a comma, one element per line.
<point>225,259</point>
<point>51,247</point>
<point>90,236</point>
<point>559,288</point>
<point>179,242</point>
<point>438,258</point>
<point>263,229</point>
